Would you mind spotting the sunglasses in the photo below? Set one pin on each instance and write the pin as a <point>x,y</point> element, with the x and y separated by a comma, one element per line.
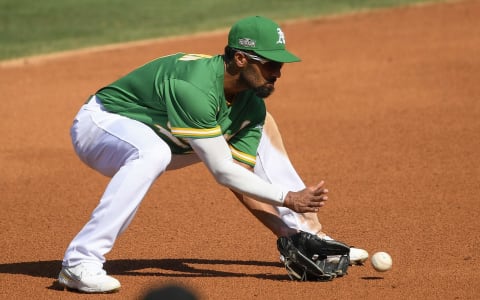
<point>255,57</point>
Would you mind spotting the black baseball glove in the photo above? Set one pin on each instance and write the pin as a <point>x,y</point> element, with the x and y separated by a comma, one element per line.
<point>307,257</point>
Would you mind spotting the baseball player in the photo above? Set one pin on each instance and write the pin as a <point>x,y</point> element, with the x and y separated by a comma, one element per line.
<point>170,113</point>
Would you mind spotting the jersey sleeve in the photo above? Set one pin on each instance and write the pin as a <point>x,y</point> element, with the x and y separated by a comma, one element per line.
<point>244,143</point>
<point>191,112</point>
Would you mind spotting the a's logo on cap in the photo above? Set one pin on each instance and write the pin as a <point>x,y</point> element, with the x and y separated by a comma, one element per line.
<point>281,36</point>
<point>246,42</point>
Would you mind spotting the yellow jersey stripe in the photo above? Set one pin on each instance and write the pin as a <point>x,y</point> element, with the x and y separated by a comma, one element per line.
<point>243,157</point>
<point>196,132</point>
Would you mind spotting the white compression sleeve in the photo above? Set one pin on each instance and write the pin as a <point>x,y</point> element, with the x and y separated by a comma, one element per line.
<point>216,155</point>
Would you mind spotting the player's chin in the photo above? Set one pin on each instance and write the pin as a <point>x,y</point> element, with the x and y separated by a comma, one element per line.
<point>265,90</point>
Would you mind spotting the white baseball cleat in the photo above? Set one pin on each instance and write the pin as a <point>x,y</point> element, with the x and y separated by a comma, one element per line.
<point>87,278</point>
<point>357,256</point>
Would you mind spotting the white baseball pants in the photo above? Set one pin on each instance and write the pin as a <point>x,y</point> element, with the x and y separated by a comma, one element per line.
<point>132,154</point>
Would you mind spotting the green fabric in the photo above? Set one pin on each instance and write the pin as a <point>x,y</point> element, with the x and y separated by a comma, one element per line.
<point>263,36</point>
<point>181,96</point>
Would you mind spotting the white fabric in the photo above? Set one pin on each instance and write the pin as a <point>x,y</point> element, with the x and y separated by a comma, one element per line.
<point>134,156</point>
<point>273,165</point>
<point>130,152</point>
<point>217,156</point>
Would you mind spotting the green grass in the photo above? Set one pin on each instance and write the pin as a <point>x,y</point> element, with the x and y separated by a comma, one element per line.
<point>31,27</point>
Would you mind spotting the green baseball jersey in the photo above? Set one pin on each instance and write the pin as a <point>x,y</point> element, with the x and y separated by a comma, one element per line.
<point>181,96</point>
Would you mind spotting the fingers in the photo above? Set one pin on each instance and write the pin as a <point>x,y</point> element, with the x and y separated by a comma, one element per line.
<point>319,197</point>
<point>308,200</point>
<point>319,185</point>
<point>314,207</point>
<point>319,189</point>
<point>302,205</point>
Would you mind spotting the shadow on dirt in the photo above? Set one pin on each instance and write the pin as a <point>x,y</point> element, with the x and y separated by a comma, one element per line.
<point>372,278</point>
<point>174,268</point>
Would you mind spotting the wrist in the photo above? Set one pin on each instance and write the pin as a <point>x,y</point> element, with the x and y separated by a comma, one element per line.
<point>287,200</point>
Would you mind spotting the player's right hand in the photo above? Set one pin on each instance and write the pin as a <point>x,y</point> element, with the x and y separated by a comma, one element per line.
<point>309,199</point>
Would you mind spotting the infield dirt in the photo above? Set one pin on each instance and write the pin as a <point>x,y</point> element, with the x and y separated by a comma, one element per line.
<point>385,107</point>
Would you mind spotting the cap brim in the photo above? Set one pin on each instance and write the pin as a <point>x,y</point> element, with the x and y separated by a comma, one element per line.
<point>278,55</point>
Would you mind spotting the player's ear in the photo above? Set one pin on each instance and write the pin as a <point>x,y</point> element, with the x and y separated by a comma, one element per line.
<point>240,59</point>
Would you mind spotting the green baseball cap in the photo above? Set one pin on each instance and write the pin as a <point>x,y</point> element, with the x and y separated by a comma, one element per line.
<point>262,36</point>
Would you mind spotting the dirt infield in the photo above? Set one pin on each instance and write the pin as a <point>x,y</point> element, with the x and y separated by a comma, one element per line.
<point>385,107</point>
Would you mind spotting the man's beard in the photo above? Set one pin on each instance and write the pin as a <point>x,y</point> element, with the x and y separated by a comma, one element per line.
<point>264,91</point>
<point>247,77</point>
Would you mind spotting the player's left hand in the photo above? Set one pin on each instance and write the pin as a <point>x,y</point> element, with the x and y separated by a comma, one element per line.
<point>306,257</point>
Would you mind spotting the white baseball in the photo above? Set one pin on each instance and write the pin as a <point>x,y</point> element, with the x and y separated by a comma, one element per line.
<point>381,261</point>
